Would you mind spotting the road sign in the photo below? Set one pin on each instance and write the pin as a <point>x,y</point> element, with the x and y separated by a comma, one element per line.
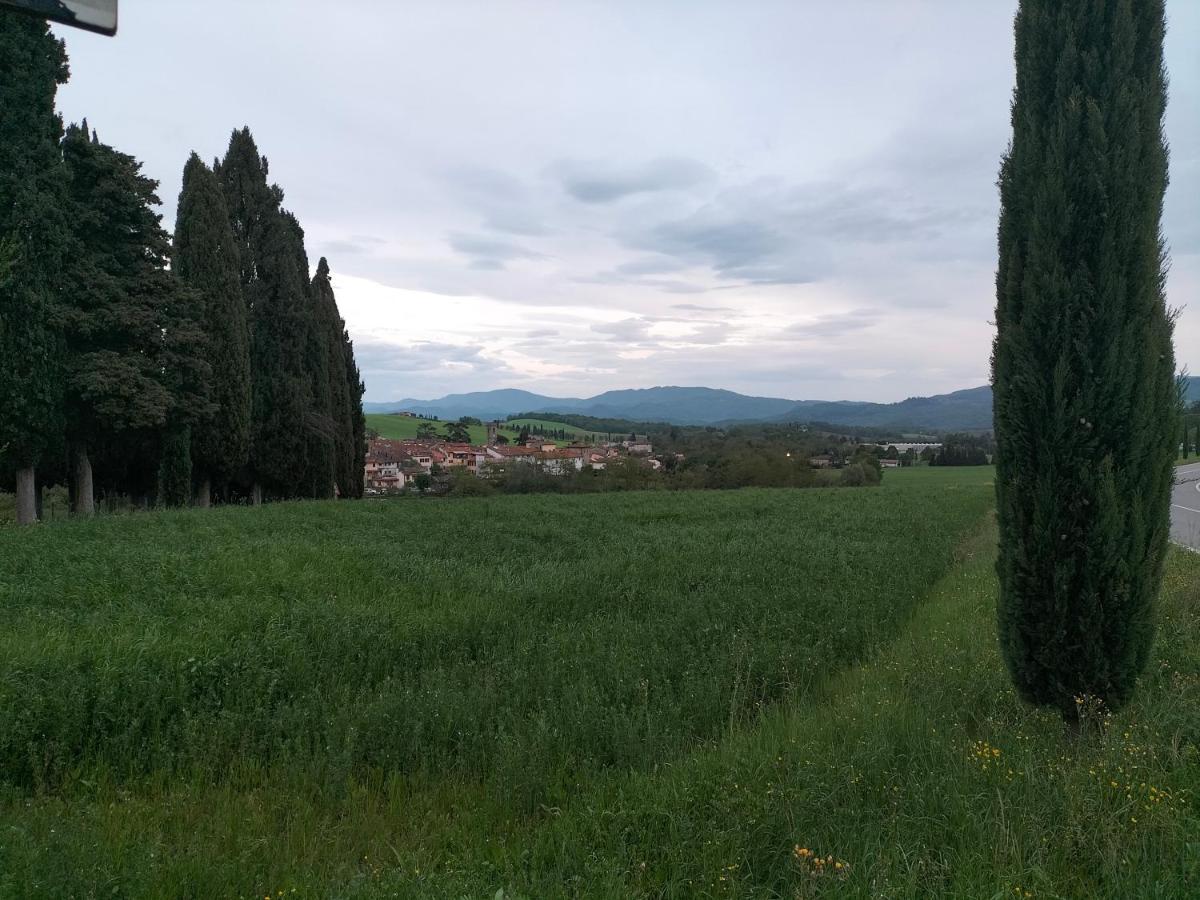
<point>93,15</point>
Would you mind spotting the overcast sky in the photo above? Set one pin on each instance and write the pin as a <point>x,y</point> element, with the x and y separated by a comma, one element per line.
<point>783,198</point>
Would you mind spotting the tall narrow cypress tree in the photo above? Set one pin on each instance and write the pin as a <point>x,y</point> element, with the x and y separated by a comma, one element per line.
<point>1086,407</point>
<point>274,291</point>
<point>342,408</point>
<point>33,240</point>
<point>205,258</point>
<point>318,421</point>
<point>358,437</point>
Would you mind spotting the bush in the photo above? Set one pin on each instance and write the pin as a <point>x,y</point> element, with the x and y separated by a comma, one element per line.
<point>466,484</point>
<point>861,474</point>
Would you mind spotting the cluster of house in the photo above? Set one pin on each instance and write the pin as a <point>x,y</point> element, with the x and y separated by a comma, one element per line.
<point>396,464</point>
<point>830,461</point>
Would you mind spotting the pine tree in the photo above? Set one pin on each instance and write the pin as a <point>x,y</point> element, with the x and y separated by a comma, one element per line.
<point>205,258</point>
<point>274,291</point>
<point>1083,366</point>
<point>135,355</point>
<point>33,238</point>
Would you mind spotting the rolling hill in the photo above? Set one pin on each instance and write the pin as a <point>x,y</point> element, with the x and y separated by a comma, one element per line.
<point>965,410</point>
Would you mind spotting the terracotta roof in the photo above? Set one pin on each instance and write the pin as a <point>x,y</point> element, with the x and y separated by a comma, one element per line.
<point>513,451</point>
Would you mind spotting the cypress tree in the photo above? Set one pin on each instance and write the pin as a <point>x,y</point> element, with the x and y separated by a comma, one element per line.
<point>1083,367</point>
<point>33,240</point>
<point>318,420</point>
<point>341,390</point>
<point>205,258</point>
<point>274,291</point>
<point>135,361</point>
<point>175,467</point>
<point>358,447</point>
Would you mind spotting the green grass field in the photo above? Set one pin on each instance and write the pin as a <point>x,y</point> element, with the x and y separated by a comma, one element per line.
<point>659,694</point>
<point>405,427</point>
<point>573,433</point>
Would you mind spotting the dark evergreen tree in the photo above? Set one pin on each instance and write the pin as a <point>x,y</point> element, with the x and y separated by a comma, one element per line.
<point>341,391</point>
<point>318,420</point>
<point>358,420</point>
<point>175,467</point>
<point>205,258</point>
<point>135,354</point>
<point>274,290</point>
<point>1086,407</point>
<point>457,433</point>
<point>33,240</point>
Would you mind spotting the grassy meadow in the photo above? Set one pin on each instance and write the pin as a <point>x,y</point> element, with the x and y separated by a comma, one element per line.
<point>638,694</point>
<point>573,433</point>
<point>405,427</point>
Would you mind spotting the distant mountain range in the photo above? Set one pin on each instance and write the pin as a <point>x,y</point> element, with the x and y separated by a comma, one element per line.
<point>967,410</point>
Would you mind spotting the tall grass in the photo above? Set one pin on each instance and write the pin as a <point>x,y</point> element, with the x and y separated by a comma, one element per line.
<point>918,774</point>
<point>260,694</point>
<point>522,639</point>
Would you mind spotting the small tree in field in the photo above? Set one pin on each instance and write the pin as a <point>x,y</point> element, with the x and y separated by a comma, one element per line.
<point>1086,405</point>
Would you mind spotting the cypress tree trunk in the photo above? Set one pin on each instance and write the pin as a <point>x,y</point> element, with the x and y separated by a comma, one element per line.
<point>85,498</point>
<point>256,495</point>
<point>203,497</point>
<point>1083,369</point>
<point>27,505</point>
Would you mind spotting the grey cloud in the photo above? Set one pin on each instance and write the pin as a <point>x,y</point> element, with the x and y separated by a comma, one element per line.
<point>667,285</point>
<point>542,332</point>
<point>604,183</point>
<point>353,245</point>
<point>484,182</point>
<point>711,333</point>
<point>384,357</point>
<point>633,329</point>
<point>693,307</point>
<point>515,221</point>
<point>489,253</point>
<point>833,325</point>
<point>506,203</point>
<point>765,232</point>
<point>650,265</point>
<point>737,248</point>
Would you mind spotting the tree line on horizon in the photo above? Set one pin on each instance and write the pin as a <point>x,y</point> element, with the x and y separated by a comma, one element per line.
<point>164,369</point>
